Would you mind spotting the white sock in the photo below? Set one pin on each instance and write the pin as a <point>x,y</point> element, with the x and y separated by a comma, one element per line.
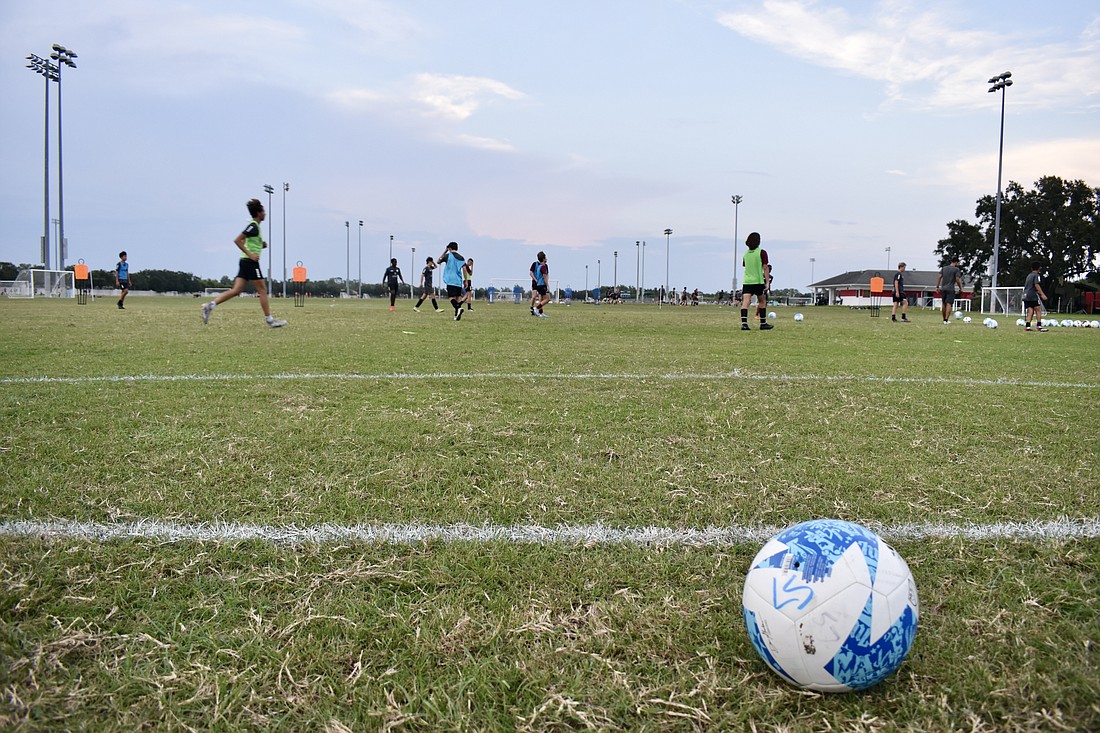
<point>270,318</point>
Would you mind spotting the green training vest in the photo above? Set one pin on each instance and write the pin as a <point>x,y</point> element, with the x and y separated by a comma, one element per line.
<point>754,268</point>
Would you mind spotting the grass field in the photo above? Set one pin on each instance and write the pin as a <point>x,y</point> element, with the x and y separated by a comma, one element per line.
<point>391,521</point>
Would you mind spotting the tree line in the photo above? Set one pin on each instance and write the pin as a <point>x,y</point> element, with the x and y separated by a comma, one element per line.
<point>1056,224</point>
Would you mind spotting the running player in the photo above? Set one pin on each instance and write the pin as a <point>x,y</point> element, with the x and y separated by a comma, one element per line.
<point>540,270</point>
<point>452,263</point>
<point>426,289</point>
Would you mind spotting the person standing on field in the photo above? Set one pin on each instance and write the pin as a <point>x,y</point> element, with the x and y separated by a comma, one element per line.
<point>251,243</point>
<point>122,278</point>
<point>1032,292</point>
<point>950,277</point>
<point>452,263</point>
<point>391,277</point>
<point>756,281</point>
<point>426,289</point>
<point>899,295</point>
<point>468,283</point>
<point>541,272</point>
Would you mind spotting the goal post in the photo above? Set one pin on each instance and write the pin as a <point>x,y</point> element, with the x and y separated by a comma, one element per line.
<point>1006,301</point>
<point>518,289</point>
<point>41,283</point>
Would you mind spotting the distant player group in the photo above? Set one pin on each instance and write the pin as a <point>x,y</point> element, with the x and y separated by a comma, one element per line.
<point>458,272</point>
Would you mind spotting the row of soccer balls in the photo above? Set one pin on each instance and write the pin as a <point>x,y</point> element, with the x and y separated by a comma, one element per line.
<point>1045,323</point>
<point>797,316</point>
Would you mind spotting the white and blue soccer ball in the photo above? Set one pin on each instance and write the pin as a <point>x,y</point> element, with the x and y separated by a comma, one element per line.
<point>991,323</point>
<point>1095,324</point>
<point>1021,322</point>
<point>966,320</point>
<point>986,320</point>
<point>958,314</point>
<point>830,607</point>
<point>1066,323</point>
<point>798,317</point>
<point>771,316</point>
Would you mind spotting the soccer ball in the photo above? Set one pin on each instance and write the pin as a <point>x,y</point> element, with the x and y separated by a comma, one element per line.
<point>1095,324</point>
<point>1076,324</point>
<point>771,316</point>
<point>830,606</point>
<point>966,320</point>
<point>992,323</point>
<point>958,314</point>
<point>985,321</point>
<point>798,317</point>
<point>1021,322</point>
<point>1066,323</point>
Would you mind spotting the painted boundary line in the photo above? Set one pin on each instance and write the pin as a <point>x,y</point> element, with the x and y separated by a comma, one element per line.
<point>1063,528</point>
<point>553,375</point>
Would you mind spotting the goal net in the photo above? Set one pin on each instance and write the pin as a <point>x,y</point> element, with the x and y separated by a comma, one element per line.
<point>1008,301</point>
<point>518,290</point>
<point>41,284</point>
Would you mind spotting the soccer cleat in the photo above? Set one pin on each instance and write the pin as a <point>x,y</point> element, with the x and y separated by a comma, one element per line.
<point>276,323</point>
<point>766,326</point>
<point>745,327</point>
<point>945,321</point>
<point>540,314</point>
<point>438,310</point>
<point>416,309</point>
<point>392,308</point>
<point>120,306</point>
<point>1027,328</point>
<point>458,314</point>
<point>905,320</point>
<point>1044,330</point>
<point>893,318</point>
<point>206,308</point>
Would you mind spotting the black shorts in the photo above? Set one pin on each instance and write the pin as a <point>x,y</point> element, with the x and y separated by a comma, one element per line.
<point>123,284</point>
<point>455,291</point>
<point>899,298</point>
<point>1031,304</point>
<point>249,269</point>
<point>540,289</point>
<point>393,288</point>
<point>754,289</point>
<point>947,297</point>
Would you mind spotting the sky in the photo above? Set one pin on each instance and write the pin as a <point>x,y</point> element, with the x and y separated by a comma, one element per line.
<point>853,130</point>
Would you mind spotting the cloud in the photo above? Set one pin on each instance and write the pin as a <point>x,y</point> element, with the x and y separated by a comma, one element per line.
<point>1069,159</point>
<point>457,97</point>
<point>923,56</point>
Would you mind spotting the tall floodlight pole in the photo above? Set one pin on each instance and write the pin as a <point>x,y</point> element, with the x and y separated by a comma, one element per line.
<point>412,269</point>
<point>812,292</point>
<point>360,258</point>
<point>887,258</point>
<point>347,271</point>
<point>269,190</point>
<point>615,272</point>
<point>63,57</point>
<point>586,283</point>
<point>286,187</point>
<point>637,270</point>
<point>736,205</point>
<point>643,270</point>
<point>598,279</point>
<point>1000,84</point>
<point>49,73</point>
<point>668,237</point>
<point>391,248</point>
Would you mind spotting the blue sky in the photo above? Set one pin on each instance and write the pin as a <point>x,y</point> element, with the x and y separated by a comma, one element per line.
<point>573,127</point>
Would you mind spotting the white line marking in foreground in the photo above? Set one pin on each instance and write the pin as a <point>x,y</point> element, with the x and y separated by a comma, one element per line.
<point>64,529</point>
<point>735,374</point>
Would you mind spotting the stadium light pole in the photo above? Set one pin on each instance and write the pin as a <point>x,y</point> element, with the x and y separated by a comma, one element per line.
<point>643,270</point>
<point>736,205</point>
<point>49,73</point>
<point>615,272</point>
<point>391,251</point>
<point>999,84</point>
<point>668,238</point>
<point>63,57</point>
<point>412,266</point>
<point>598,278</point>
<point>812,293</point>
<point>360,258</point>
<point>586,283</point>
<point>286,187</point>
<point>887,258</point>
<point>637,269</point>
<point>269,189</point>
<point>347,271</point>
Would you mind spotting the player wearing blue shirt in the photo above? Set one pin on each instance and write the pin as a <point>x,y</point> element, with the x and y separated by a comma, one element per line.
<point>122,277</point>
<point>452,263</point>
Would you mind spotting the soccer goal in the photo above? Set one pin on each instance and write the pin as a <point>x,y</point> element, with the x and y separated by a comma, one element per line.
<point>35,283</point>
<point>1008,301</point>
<point>518,290</point>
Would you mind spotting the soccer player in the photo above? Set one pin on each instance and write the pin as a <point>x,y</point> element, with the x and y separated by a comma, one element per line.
<point>426,289</point>
<point>251,243</point>
<point>391,277</point>
<point>452,263</point>
<point>468,283</point>
<point>540,271</point>
<point>1032,292</point>
<point>756,281</point>
<point>122,277</point>
<point>950,276</point>
<point>899,295</point>
<point>534,290</point>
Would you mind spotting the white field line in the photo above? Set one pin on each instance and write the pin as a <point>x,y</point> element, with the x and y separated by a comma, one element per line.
<point>586,535</point>
<point>732,375</point>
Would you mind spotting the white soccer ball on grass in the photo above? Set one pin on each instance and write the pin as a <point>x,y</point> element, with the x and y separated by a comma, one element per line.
<point>798,317</point>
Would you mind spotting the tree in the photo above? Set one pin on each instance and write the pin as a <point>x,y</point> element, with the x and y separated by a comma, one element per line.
<point>1057,223</point>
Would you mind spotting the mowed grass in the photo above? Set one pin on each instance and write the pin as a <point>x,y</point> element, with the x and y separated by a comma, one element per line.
<point>623,417</point>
